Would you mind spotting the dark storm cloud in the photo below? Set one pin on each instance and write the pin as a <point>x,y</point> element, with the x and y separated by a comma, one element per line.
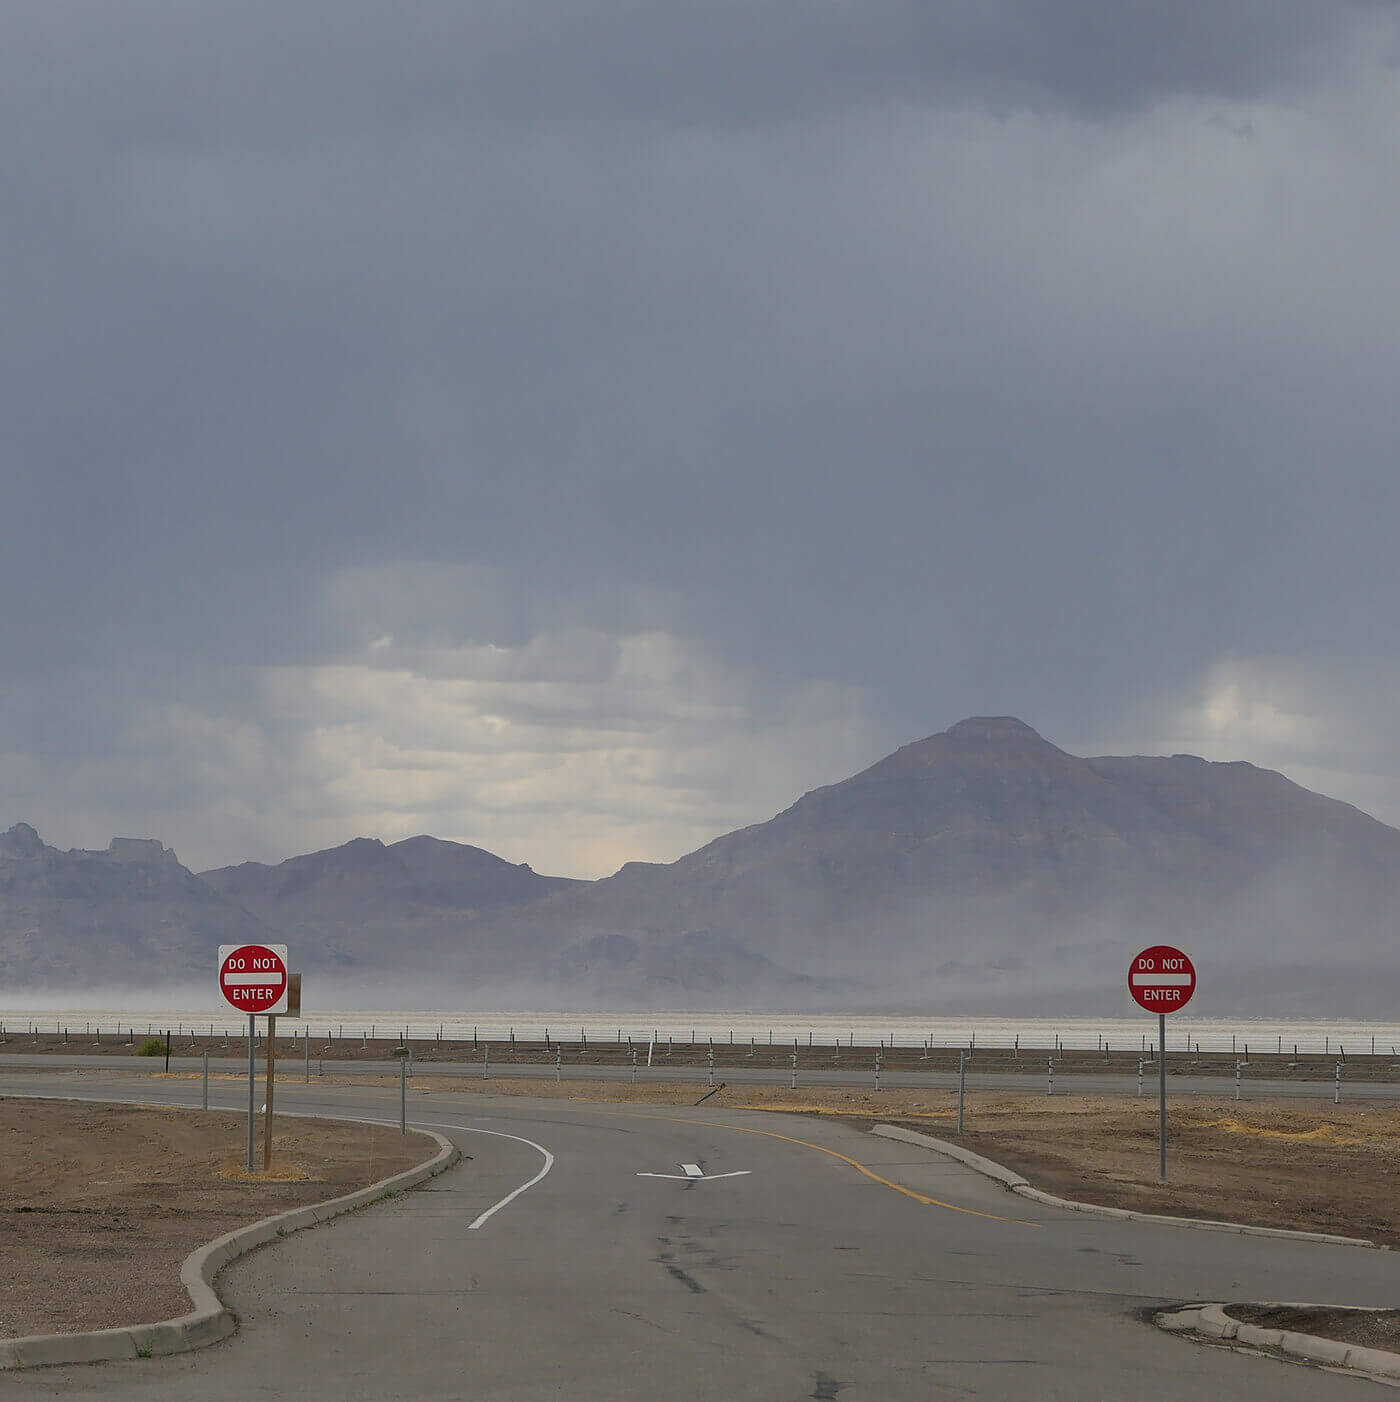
<point>980,356</point>
<point>174,76</point>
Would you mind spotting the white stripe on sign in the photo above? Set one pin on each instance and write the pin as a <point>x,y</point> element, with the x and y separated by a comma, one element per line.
<point>1161,980</point>
<point>252,980</point>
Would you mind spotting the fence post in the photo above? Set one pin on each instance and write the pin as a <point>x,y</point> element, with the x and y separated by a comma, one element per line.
<point>204,1093</point>
<point>1139,1077</point>
<point>794,1070</point>
<point>1050,1084</point>
<point>877,1067</point>
<point>1237,1080</point>
<point>1337,1093</point>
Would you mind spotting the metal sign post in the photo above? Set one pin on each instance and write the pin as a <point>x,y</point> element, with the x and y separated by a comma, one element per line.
<point>267,1107</point>
<point>252,1090</point>
<point>1162,980</point>
<point>1162,1094</point>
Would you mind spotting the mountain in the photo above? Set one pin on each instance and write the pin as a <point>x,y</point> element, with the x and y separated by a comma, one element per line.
<point>131,915</point>
<point>979,870</point>
<point>415,877</point>
<point>984,868</point>
<point>354,903</point>
<point>423,908</point>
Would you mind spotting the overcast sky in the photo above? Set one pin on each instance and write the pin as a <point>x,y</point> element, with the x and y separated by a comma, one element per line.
<point>578,428</point>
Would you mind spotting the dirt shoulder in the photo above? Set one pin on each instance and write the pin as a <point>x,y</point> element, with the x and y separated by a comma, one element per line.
<point>1368,1328</point>
<point>100,1204</point>
<point>1321,1168</point>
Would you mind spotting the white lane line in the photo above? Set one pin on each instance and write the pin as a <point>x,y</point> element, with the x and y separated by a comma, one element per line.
<point>511,1196</point>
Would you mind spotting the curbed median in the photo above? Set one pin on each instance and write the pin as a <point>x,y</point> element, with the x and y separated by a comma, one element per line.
<point>207,1319</point>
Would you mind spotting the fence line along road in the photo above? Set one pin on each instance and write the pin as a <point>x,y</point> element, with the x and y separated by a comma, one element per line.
<point>1341,1040</point>
<point>1082,1074</point>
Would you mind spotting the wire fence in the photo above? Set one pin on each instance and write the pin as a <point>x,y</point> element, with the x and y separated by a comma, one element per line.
<point>1109,1036</point>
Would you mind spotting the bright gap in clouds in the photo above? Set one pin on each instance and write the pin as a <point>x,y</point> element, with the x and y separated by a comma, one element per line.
<point>575,752</point>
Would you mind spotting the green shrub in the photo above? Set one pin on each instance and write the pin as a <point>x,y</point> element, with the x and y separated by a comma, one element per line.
<point>152,1046</point>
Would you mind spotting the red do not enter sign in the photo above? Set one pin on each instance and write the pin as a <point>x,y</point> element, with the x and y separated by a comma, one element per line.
<point>253,977</point>
<point>1162,979</point>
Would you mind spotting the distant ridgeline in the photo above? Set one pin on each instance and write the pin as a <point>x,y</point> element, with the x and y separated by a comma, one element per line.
<point>978,870</point>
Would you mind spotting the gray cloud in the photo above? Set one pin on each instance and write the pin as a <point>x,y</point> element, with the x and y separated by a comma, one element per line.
<point>959,358</point>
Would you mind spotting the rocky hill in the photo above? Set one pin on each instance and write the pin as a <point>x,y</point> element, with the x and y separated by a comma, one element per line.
<point>367,904</point>
<point>127,916</point>
<point>418,876</point>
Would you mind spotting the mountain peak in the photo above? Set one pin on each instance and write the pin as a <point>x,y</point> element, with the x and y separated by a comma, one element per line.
<point>982,741</point>
<point>21,841</point>
<point>992,728</point>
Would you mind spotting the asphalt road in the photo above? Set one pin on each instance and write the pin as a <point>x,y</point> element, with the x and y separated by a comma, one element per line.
<point>292,1068</point>
<point>818,1272</point>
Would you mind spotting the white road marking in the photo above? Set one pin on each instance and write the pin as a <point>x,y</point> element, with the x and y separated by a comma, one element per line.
<point>693,1174</point>
<point>511,1196</point>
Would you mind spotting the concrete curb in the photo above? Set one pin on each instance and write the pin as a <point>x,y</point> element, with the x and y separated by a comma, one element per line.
<point>209,1320</point>
<point>1211,1322</point>
<point>955,1151</point>
<point>1016,1184</point>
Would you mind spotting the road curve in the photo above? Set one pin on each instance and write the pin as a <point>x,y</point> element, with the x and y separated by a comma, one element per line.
<point>833,1265</point>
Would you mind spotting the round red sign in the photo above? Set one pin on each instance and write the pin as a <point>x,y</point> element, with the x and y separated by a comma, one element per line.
<point>253,977</point>
<point>1162,979</point>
